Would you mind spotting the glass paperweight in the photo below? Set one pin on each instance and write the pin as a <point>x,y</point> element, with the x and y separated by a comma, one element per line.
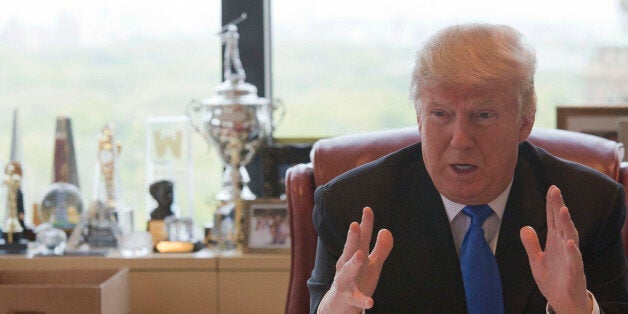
<point>224,230</point>
<point>179,229</point>
<point>135,244</point>
<point>61,206</point>
<point>53,240</point>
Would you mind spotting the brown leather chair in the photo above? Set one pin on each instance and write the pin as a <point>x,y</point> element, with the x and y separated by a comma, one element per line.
<point>331,157</point>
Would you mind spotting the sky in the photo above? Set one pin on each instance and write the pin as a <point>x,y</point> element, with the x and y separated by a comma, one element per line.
<point>100,21</point>
<point>585,11</point>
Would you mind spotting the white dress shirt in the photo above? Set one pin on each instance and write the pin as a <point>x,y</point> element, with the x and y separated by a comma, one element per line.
<point>459,223</point>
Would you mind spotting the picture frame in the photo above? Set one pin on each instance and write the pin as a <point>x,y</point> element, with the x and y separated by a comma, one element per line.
<point>278,157</point>
<point>266,226</point>
<point>607,121</point>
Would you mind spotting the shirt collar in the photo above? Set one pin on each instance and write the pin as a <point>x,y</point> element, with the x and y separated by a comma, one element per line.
<point>498,205</point>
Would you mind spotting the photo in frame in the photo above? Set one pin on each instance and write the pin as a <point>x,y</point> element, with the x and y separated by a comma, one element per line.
<point>607,121</point>
<point>266,226</point>
<point>278,157</point>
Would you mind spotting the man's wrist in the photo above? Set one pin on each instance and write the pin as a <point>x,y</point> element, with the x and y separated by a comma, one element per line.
<point>326,305</point>
<point>594,307</point>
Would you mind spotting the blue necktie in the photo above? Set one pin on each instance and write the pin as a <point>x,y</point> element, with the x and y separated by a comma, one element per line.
<point>480,274</point>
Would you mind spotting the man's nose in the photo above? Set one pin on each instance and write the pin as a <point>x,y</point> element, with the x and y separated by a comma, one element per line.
<point>462,134</point>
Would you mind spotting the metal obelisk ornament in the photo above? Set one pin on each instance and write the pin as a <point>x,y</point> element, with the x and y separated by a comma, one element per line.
<point>235,120</point>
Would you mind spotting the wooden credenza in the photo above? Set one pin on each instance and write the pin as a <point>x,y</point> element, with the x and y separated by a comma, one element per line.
<point>200,282</point>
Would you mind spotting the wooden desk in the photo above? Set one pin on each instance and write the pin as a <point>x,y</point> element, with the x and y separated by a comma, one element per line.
<point>187,282</point>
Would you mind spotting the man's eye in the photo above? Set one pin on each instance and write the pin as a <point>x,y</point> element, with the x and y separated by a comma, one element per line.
<point>485,115</point>
<point>438,113</point>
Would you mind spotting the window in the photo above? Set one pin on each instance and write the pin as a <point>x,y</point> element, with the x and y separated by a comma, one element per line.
<point>344,66</point>
<point>338,66</point>
<point>107,61</point>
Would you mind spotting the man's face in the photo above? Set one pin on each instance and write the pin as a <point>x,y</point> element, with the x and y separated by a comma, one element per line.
<point>470,144</point>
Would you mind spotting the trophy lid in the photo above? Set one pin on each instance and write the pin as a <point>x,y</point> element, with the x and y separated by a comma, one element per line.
<point>235,92</point>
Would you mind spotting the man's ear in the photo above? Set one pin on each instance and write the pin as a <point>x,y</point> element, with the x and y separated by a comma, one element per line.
<point>527,122</point>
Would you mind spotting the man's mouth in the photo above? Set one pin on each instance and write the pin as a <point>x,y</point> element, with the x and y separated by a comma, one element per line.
<point>463,167</point>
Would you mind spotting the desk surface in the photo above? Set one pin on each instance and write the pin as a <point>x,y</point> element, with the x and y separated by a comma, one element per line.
<point>204,260</point>
<point>201,282</point>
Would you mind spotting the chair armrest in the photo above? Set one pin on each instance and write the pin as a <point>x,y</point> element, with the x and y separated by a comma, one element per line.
<point>300,194</point>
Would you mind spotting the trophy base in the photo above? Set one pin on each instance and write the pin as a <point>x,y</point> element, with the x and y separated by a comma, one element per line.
<point>19,245</point>
<point>157,230</point>
<point>100,237</point>
<point>223,234</point>
<point>226,194</point>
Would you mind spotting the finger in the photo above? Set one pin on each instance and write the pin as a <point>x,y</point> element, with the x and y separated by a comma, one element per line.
<point>352,268</point>
<point>366,228</point>
<point>576,268</point>
<point>347,278</point>
<point>359,300</point>
<point>531,243</point>
<point>575,257</point>
<point>351,245</point>
<point>557,201</point>
<point>383,246</point>
<point>569,229</point>
<point>549,209</point>
<point>346,275</point>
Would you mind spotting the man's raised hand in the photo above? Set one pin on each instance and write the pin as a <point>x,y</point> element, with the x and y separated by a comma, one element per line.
<point>357,271</point>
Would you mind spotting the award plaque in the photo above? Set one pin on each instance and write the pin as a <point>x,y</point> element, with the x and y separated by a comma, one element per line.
<point>169,158</point>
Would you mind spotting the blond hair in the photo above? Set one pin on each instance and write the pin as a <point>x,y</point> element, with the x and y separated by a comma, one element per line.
<point>480,57</point>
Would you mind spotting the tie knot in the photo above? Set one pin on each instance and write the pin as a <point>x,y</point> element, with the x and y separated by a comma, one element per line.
<point>478,213</point>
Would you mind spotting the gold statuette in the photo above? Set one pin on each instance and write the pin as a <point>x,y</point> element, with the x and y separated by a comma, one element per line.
<point>12,182</point>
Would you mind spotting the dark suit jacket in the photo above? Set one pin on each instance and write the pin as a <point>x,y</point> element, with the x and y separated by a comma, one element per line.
<point>422,273</point>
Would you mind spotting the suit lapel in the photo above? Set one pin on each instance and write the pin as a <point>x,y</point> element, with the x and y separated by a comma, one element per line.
<point>525,207</point>
<point>425,248</point>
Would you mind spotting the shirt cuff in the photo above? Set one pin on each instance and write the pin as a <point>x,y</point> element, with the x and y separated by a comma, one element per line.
<point>596,307</point>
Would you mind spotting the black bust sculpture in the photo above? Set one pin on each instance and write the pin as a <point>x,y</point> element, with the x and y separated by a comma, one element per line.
<point>163,192</point>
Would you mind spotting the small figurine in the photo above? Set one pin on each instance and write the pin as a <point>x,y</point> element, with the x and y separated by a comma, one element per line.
<point>229,37</point>
<point>163,192</point>
<point>15,168</point>
<point>12,227</point>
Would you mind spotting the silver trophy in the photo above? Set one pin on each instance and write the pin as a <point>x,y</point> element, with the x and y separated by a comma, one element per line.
<point>236,121</point>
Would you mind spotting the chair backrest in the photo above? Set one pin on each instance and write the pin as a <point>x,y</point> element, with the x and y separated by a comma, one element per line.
<point>334,156</point>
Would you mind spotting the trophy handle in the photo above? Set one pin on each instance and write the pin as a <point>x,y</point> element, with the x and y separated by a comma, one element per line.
<point>193,112</point>
<point>277,105</point>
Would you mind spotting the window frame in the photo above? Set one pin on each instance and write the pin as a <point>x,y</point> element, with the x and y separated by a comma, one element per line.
<point>254,42</point>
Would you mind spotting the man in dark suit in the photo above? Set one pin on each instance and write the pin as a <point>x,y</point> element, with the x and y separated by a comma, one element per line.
<point>473,89</point>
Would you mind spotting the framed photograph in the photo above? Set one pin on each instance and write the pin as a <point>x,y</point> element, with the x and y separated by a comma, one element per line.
<point>606,121</point>
<point>266,226</point>
<point>280,156</point>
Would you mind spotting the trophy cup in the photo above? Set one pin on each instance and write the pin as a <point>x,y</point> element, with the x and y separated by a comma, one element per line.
<point>235,120</point>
